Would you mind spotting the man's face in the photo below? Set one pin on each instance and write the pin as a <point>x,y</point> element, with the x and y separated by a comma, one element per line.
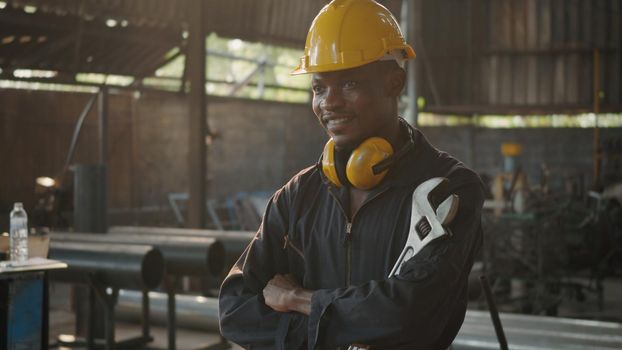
<point>354,104</point>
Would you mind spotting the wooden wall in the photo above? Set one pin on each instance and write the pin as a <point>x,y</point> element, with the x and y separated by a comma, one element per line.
<point>259,145</point>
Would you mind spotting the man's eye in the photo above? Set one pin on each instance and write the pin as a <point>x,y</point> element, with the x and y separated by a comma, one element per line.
<point>317,89</point>
<point>350,84</point>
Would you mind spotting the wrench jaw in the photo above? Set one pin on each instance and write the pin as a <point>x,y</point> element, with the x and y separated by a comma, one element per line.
<point>426,223</point>
<point>447,210</point>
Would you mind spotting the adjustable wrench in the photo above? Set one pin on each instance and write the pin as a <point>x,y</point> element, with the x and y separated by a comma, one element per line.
<point>426,222</point>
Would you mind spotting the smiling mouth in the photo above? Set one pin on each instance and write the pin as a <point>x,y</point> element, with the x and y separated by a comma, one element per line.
<point>337,121</point>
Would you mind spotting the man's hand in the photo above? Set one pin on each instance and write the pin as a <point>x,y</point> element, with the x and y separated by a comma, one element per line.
<point>278,292</point>
<point>284,294</point>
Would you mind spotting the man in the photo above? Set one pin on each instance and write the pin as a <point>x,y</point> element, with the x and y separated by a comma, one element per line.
<point>315,276</point>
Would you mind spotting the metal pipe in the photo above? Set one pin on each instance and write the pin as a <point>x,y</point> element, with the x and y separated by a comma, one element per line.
<point>190,256</point>
<point>242,237</point>
<point>234,241</point>
<point>193,311</point>
<point>74,138</point>
<point>115,265</point>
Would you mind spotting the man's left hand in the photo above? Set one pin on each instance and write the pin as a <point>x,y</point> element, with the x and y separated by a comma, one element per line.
<point>284,294</point>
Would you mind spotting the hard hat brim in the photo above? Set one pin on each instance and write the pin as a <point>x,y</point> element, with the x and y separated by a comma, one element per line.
<point>408,50</point>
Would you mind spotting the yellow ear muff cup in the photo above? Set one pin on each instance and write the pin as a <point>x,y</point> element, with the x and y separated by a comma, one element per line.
<point>328,163</point>
<point>369,153</point>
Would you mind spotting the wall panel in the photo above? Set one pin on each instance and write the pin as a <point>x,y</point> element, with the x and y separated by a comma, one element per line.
<point>536,56</point>
<point>259,145</point>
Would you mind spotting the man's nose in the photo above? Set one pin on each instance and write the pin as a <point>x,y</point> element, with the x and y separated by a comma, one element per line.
<point>333,100</point>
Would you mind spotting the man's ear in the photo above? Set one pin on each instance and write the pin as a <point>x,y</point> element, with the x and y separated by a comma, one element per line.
<point>395,81</point>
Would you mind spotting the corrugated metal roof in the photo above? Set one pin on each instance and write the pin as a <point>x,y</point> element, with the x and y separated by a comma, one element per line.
<point>76,36</point>
<point>520,57</point>
<point>132,37</point>
<point>67,43</point>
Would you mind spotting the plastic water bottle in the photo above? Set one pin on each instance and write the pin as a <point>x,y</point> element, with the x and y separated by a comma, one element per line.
<point>18,244</point>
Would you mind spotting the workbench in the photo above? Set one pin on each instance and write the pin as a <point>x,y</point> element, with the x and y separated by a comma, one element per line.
<point>24,303</point>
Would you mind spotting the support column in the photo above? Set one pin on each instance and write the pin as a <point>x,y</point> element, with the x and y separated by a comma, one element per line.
<point>103,125</point>
<point>597,155</point>
<point>197,166</point>
<point>408,26</point>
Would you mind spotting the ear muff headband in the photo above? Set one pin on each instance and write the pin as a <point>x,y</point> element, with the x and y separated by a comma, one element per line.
<point>387,162</point>
<point>360,167</point>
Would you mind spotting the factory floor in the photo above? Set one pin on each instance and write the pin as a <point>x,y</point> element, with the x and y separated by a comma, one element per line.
<point>588,309</point>
<point>62,320</point>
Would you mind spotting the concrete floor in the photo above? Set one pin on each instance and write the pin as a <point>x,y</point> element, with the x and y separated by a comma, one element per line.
<point>62,319</point>
<point>612,304</point>
<point>62,322</point>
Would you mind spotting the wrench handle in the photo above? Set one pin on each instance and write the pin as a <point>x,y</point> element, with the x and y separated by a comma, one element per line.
<point>402,258</point>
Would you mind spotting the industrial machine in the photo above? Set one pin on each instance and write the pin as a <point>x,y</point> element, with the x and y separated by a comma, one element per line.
<point>544,246</point>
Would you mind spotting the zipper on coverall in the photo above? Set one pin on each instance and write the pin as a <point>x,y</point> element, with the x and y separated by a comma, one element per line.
<point>348,251</point>
<point>348,239</point>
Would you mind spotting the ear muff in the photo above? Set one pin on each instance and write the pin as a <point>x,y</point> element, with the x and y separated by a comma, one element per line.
<point>328,163</point>
<point>360,167</point>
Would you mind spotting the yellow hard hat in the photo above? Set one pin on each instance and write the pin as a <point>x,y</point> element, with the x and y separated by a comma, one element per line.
<point>351,33</point>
